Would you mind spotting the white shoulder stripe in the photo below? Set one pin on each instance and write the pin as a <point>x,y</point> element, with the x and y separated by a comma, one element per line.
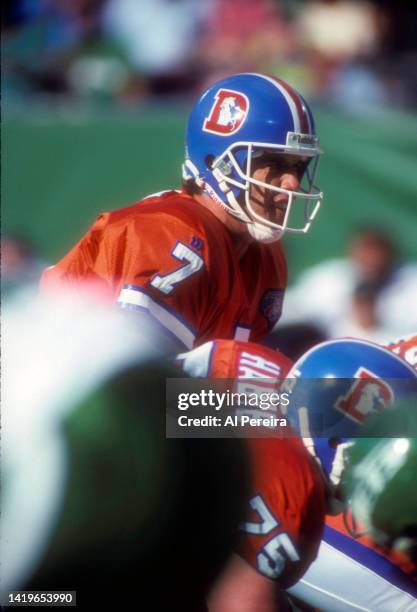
<point>136,297</point>
<point>160,193</point>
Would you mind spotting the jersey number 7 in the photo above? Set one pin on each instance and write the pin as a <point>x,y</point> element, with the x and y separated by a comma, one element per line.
<point>166,283</point>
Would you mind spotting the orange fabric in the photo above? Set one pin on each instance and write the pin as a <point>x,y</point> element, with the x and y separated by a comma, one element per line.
<point>133,245</point>
<point>399,559</point>
<point>234,359</point>
<point>284,475</point>
<point>290,484</point>
<point>406,348</point>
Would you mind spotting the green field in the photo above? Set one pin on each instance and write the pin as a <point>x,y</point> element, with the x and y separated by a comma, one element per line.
<point>60,169</point>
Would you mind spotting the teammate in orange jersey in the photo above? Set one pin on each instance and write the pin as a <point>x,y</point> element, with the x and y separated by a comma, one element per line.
<point>350,572</point>
<point>281,535</point>
<point>406,348</point>
<point>283,528</point>
<point>206,262</point>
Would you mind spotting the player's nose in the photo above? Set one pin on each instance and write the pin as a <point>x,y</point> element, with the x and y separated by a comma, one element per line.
<point>290,181</point>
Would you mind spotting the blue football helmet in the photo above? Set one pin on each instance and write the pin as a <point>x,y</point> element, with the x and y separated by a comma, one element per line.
<point>238,119</point>
<point>335,387</point>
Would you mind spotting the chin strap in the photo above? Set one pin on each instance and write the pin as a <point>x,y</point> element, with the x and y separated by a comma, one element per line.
<point>264,234</point>
<point>258,231</point>
<point>234,207</point>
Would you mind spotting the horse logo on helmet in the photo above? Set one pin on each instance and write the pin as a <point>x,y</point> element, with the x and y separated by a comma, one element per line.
<point>228,112</point>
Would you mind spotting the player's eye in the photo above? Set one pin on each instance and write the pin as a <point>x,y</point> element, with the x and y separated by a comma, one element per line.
<point>300,167</point>
<point>281,162</point>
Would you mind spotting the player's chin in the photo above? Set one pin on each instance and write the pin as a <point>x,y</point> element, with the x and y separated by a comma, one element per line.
<point>273,214</point>
<point>271,209</point>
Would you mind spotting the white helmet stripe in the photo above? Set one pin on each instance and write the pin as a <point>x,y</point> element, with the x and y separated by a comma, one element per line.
<point>287,96</point>
<point>299,110</point>
<point>301,107</point>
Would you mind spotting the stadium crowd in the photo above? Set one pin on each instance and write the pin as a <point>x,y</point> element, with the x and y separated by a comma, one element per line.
<point>353,54</point>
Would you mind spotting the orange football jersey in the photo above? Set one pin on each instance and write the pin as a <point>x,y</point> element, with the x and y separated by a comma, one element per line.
<point>237,359</point>
<point>283,529</point>
<point>340,522</point>
<point>172,258</point>
<point>406,348</point>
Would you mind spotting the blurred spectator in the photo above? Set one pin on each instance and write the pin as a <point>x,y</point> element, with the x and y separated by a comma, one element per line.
<point>243,35</point>
<point>338,30</point>
<point>370,272</point>
<point>350,53</point>
<point>36,55</point>
<point>339,37</point>
<point>362,320</point>
<point>20,264</point>
<point>398,57</point>
<point>158,38</point>
<point>70,21</point>
<point>15,13</point>
<point>295,340</point>
<point>357,88</point>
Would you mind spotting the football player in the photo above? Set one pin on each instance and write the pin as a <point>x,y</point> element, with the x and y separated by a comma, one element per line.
<point>380,481</point>
<point>94,498</point>
<point>350,572</point>
<point>343,557</point>
<point>286,506</point>
<point>406,348</point>
<point>206,262</point>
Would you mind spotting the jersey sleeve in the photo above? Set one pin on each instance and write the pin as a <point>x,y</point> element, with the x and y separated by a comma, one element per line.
<point>286,507</point>
<point>406,348</point>
<point>238,359</point>
<point>235,359</point>
<point>154,264</point>
<point>281,535</point>
<point>84,266</point>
